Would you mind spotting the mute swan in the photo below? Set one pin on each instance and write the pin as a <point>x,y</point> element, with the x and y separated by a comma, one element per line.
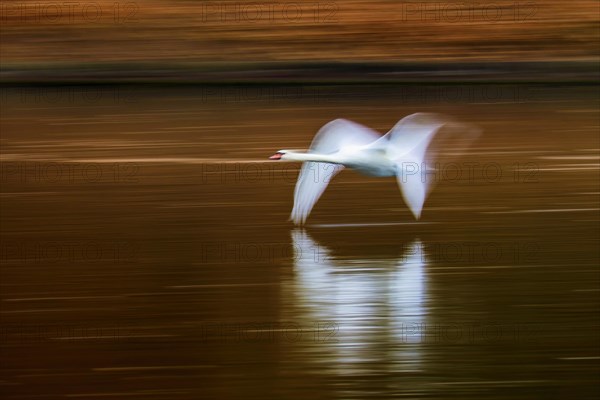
<point>404,152</point>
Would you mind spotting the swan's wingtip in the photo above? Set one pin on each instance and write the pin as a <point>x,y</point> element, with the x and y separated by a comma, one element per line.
<point>417,214</point>
<point>297,220</point>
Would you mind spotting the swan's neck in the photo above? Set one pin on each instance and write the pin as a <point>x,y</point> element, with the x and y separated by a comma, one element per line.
<point>292,156</point>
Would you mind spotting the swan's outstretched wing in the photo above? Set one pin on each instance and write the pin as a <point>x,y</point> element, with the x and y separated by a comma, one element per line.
<point>412,134</point>
<point>419,143</point>
<point>315,176</point>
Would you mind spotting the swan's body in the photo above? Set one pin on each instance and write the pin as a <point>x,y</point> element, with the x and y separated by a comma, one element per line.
<point>404,152</point>
<point>368,161</point>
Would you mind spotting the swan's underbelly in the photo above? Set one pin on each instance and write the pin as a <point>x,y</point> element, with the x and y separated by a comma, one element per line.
<point>372,162</point>
<point>368,167</point>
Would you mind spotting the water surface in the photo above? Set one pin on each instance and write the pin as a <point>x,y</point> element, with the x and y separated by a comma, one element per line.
<point>146,251</point>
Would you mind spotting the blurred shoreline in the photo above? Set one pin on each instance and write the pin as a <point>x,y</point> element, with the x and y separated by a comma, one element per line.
<point>305,73</point>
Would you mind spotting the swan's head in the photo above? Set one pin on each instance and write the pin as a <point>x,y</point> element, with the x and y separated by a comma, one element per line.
<point>280,155</point>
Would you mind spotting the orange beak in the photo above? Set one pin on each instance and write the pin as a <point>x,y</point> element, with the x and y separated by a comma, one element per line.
<point>276,156</point>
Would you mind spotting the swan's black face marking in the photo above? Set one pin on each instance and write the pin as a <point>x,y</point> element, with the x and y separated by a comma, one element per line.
<point>276,156</point>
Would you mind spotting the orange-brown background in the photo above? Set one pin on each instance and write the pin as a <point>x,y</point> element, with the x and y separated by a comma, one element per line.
<point>84,32</point>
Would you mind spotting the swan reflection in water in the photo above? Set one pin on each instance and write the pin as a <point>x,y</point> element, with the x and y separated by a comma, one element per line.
<point>368,313</point>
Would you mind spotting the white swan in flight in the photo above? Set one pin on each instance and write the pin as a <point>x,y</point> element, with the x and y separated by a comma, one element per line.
<point>406,152</point>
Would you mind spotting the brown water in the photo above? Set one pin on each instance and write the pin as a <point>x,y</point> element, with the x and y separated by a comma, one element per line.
<point>146,251</point>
